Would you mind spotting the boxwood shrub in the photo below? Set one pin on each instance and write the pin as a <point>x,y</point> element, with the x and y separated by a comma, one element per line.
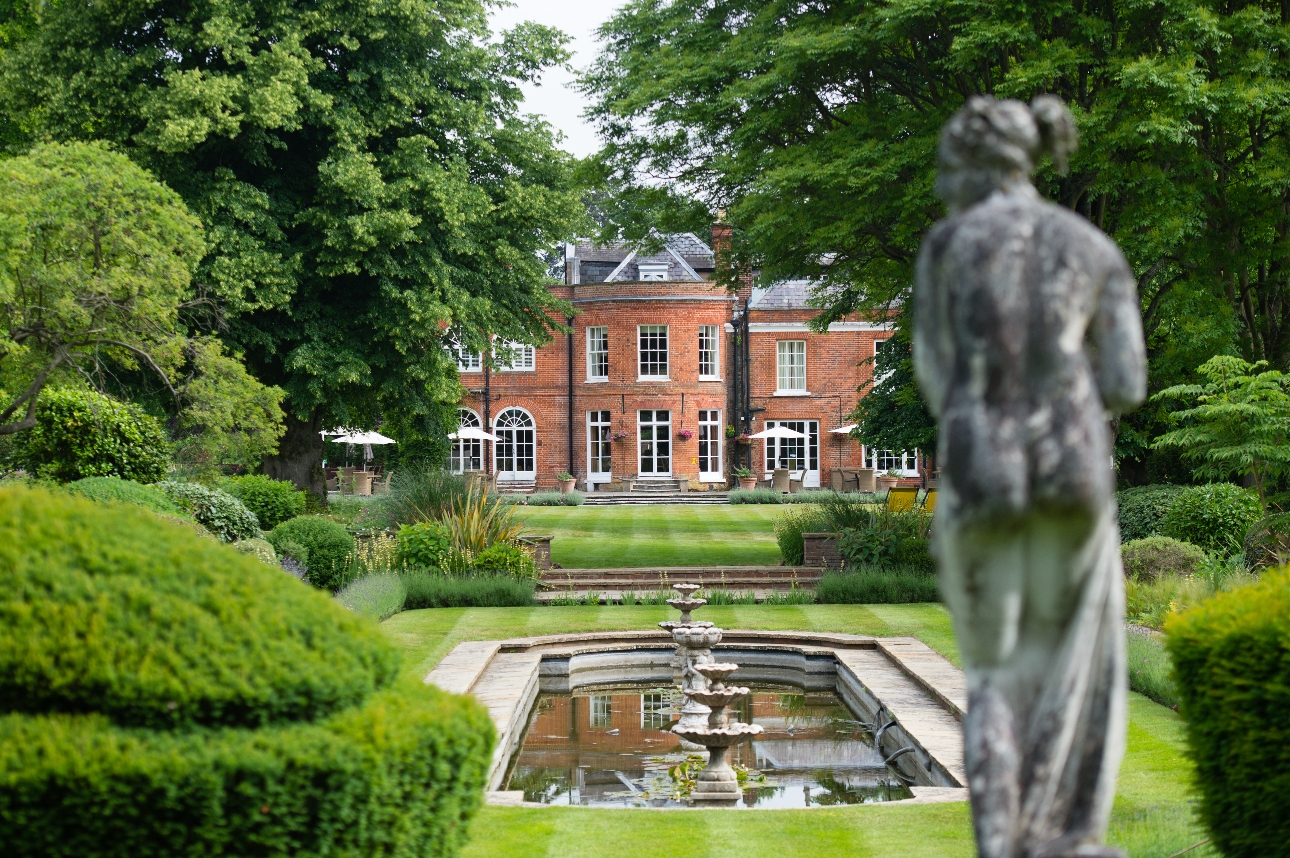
<point>115,489</point>
<point>272,501</point>
<point>1215,517</point>
<point>1142,508</point>
<point>217,511</point>
<point>330,549</point>
<point>1158,557</point>
<point>80,433</point>
<point>1231,657</point>
<point>166,695</point>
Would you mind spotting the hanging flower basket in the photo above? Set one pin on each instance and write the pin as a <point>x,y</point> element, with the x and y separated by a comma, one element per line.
<point>618,436</point>
<point>684,434</point>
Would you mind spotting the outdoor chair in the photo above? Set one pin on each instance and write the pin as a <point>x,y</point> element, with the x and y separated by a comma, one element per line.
<point>333,485</point>
<point>836,480</point>
<point>382,487</point>
<point>901,498</point>
<point>795,480</point>
<point>346,482</point>
<point>779,480</point>
<point>866,480</point>
<point>929,501</point>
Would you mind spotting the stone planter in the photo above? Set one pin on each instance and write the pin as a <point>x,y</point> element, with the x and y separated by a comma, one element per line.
<point>821,550</point>
<point>566,486</point>
<point>748,484</point>
<point>885,483</point>
<point>541,548</point>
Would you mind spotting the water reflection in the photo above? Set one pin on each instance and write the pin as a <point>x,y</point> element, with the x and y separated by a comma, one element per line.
<point>614,748</point>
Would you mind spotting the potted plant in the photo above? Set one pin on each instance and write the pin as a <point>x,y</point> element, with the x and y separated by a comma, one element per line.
<point>618,436</point>
<point>566,482</point>
<point>730,431</point>
<point>888,480</point>
<point>745,477</point>
<point>684,434</point>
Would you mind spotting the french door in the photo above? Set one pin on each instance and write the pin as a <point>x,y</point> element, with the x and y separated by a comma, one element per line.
<point>466,454</point>
<point>710,445</point>
<point>515,445</point>
<point>796,454</point>
<point>655,445</point>
<point>599,460</point>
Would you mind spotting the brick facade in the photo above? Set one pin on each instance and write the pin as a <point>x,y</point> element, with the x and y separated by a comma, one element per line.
<point>682,302</point>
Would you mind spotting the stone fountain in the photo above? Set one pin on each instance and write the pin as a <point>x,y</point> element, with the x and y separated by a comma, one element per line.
<point>694,645</point>
<point>718,782</point>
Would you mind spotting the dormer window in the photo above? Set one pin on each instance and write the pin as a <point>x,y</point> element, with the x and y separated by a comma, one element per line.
<point>652,271</point>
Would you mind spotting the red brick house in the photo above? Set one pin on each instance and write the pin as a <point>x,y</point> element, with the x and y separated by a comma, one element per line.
<point>656,375</point>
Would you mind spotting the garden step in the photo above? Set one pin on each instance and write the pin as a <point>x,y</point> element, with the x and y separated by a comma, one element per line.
<point>643,498</point>
<point>609,597</point>
<point>647,579</point>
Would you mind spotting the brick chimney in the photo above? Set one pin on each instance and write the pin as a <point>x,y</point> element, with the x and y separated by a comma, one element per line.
<point>722,237</point>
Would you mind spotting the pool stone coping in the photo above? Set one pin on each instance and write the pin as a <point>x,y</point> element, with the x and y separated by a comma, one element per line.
<point>919,688</point>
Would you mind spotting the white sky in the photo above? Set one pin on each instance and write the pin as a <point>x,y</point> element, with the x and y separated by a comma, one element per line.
<point>554,100</point>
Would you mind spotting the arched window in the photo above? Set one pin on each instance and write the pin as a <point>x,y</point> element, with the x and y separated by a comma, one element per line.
<point>467,453</point>
<point>516,442</point>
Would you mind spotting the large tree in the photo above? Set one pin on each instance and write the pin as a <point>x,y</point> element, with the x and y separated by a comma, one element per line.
<point>365,179</point>
<point>814,125</point>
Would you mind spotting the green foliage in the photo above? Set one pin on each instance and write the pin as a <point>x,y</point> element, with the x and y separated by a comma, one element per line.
<point>1158,557</point>
<point>570,498</point>
<point>426,543</point>
<point>329,548</point>
<point>260,549</point>
<point>424,494</point>
<point>1267,543</point>
<point>754,496</point>
<point>1142,508</point>
<point>117,490</point>
<point>1231,660</point>
<point>109,611</point>
<point>504,558</point>
<point>272,501</point>
<point>1152,603</point>
<point>868,546</point>
<point>789,528</point>
<point>1150,671</point>
<point>399,774</point>
<point>1215,517</point>
<point>891,414</point>
<point>290,549</point>
<point>478,522</point>
<point>80,433</point>
<point>428,590</point>
<point>376,596</point>
<point>95,260</point>
<point>1237,423</point>
<point>217,511</point>
<point>363,172</point>
<point>876,586</point>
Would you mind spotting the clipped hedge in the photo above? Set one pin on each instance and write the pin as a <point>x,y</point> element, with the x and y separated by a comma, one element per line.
<point>169,696</point>
<point>1216,517</point>
<point>876,587</point>
<point>272,501</point>
<point>330,548</point>
<point>117,490</point>
<point>1231,657</point>
<point>400,776</point>
<point>217,511</point>
<point>1158,557</point>
<point>105,610</point>
<point>80,433</point>
<point>1142,508</point>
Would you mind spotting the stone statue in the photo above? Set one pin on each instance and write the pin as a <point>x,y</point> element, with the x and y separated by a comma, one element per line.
<point>1027,337</point>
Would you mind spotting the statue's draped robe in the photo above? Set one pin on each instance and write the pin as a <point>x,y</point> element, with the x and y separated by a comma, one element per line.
<point>1027,331</point>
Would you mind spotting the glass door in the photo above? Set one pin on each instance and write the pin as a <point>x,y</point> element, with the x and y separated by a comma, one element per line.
<point>796,454</point>
<point>598,449</point>
<point>466,454</point>
<point>655,444</point>
<point>710,445</point>
<point>515,446</point>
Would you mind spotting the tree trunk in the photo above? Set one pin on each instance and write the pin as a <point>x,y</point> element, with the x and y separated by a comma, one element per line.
<point>300,454</point>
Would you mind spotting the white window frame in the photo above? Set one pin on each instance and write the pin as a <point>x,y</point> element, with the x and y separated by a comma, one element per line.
<point>810,449</point>
<point>655,443</point>
<point>500,430</point>
<point>524,360</point>
<point>466,361</point>
<point>711,333</point>
<point>597,335</point>
<point>667,357</point>
<point>463,449</point>
<point>713,429</point>
<point>908,466</point>
<point>653,272</point>
<point>599,425</point>
<point>780,354</point>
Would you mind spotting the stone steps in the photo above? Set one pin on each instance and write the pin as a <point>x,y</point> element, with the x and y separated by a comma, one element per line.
<point>637,498</point>
<point>649,580</point>
<point>614,597</point>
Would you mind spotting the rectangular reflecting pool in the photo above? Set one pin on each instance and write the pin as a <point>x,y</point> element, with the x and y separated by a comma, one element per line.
<point>612,747</point>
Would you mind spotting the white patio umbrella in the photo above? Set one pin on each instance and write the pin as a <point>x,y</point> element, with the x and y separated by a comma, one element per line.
<point>472,433</point>
<point>844,430</point>
<point>367,439</point>
<point>778,432</point>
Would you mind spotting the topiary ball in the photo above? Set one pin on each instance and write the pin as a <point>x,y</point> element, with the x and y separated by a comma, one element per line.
<point>1215,517</point>
<point>217,511</point>
<point>330,549</point>
<point>80,433</point>
<point>115,489</point>
<point>272,501</point>
<point>1159,556</point>
<point>107,609</point>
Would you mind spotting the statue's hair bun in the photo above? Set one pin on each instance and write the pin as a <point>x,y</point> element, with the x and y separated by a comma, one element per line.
<point>1057,133</point>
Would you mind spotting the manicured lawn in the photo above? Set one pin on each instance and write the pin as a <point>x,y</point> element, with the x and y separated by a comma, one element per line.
<point>657,535</point>
<point>1152,816</point>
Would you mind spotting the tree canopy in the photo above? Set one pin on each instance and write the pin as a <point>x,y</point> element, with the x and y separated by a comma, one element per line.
<point>363,173</point>
<point>814,125</point>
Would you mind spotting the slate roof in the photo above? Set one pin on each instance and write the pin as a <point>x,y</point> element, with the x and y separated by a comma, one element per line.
<point>787,295</point>
<point>597,262</point>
